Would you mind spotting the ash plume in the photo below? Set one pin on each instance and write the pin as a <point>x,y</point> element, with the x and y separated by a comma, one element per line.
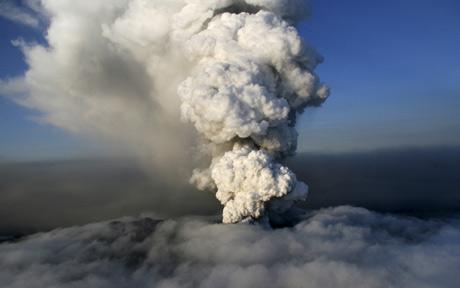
<point>129,70</point>
<point>253,74</point>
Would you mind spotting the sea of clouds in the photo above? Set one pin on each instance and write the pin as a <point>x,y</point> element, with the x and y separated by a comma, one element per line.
<point>336,247</point>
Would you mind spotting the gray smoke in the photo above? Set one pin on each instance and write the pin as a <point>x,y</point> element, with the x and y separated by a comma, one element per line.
<point>128,70</point>
<point>339,247</point>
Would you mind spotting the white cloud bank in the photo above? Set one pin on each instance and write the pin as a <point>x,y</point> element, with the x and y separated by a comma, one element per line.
<point>337,247</point>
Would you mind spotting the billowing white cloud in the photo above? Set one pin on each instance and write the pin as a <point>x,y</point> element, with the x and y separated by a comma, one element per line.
<point>248,178</point>
<point>338,247</point>
<point>253,74</point>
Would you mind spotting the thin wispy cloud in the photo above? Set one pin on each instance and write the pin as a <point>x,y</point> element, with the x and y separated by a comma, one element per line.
<point>13,12</point>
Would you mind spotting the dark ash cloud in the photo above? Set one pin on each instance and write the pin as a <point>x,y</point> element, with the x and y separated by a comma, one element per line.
<point>337,247</point>
<point>411,180</point>
<point>44,195</point>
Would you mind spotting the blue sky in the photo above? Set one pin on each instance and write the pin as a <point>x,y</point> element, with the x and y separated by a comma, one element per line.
<point>393,67</point>
<point>394,70</point>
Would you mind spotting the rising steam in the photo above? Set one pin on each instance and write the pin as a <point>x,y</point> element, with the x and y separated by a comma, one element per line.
<point>237,69</point>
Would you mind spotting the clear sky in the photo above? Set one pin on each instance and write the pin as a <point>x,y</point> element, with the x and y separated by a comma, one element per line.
<point>393,67</point>
<point>394,70</point>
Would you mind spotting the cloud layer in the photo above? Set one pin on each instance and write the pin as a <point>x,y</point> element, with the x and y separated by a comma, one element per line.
<point>339,247</point>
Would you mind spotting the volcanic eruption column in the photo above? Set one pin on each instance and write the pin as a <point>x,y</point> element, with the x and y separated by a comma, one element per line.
<point>241,70</point>
<point>252,76</point>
